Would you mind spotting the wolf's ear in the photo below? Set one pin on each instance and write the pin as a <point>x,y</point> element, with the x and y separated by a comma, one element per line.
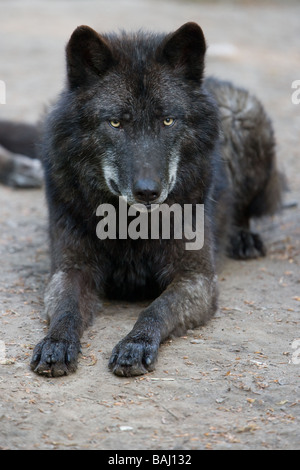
<point>88,55</point>
<point>184,51</point>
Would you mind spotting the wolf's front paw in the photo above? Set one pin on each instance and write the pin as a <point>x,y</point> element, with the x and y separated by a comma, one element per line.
<point>55,358</point>
<point>134,356</point>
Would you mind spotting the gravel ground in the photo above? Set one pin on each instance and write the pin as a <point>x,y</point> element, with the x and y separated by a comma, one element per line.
<point>233,384</point>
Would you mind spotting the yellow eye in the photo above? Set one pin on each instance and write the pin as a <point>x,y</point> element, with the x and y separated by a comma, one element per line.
<point>115,123</point>
<point>169,121</point>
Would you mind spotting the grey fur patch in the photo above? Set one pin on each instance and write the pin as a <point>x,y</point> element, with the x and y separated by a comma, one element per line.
<point>53,293</point>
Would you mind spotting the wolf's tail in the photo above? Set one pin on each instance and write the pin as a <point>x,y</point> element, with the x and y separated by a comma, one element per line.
<point>19,137</point>
<point>20,165</point>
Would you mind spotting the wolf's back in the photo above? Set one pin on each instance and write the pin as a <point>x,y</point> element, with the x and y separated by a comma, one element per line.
<point>248,150</point>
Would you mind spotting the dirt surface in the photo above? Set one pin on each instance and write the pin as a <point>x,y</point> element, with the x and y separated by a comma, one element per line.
<point>233,384</point>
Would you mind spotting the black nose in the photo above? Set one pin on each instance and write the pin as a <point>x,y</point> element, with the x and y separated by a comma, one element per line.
<point>146,190</point>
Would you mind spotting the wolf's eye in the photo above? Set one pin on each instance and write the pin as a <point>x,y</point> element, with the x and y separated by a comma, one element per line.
<point>115,123</point>
<point>168,122</point>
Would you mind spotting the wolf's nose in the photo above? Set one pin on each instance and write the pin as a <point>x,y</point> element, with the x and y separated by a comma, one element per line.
<point>146,190</point>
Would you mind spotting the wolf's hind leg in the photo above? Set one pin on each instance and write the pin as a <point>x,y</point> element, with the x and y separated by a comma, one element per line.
<point>244,244</point>
<point>248,148</point>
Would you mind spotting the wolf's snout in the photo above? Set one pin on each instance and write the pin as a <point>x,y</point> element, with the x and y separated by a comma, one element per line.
<point>146,190</point>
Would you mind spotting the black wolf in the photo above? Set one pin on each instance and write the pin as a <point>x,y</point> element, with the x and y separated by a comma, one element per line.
<point>138,120</point>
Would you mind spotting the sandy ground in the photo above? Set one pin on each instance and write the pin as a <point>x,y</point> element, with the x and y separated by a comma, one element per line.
<point>233,384</point>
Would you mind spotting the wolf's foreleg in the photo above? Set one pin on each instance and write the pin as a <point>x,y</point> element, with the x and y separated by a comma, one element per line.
<point>187,303</point>
<point>69,307</point>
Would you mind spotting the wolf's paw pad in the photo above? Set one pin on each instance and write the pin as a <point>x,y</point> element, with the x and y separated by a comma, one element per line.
<point>131,357</point>
<point>246,245</point>
<point>55,358</point>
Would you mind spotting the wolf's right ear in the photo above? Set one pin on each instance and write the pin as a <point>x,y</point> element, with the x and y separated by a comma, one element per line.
<point>88,55</point>
<point>184,50</point>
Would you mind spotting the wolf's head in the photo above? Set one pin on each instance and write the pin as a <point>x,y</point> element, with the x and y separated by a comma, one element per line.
<point>138,109</point>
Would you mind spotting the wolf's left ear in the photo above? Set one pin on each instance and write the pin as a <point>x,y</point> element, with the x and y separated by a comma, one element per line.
<point>88,56</point>
<point>184,51</point>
